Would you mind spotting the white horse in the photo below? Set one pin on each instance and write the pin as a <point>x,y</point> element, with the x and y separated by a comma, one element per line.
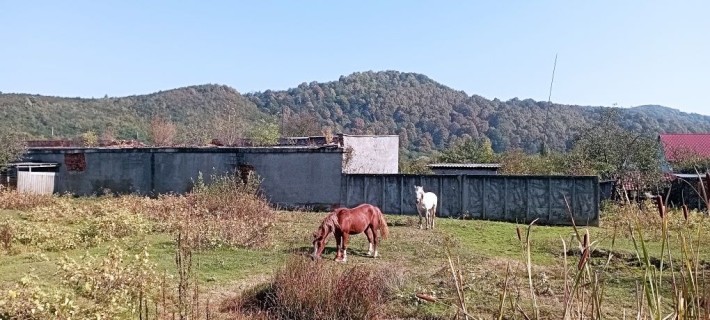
<point>426,206</point>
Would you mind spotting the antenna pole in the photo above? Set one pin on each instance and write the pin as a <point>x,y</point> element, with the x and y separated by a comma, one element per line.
<point>545,143</point>
<point>553,79</point>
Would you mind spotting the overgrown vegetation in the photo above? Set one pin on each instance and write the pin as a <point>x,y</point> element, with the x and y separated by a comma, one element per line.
<point>12,146</point>
<point>135,257</point>
<point>123,282</point>
<point>333,292</point>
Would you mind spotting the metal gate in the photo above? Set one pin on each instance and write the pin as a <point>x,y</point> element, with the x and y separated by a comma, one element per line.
<point>36,182</point>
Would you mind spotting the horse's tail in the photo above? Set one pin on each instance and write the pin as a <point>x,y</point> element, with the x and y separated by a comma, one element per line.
<point>384,230</point>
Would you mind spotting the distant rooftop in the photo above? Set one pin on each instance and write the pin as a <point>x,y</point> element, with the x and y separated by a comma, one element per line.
<point>678,145</point>
<point>466,165</point>
<point>33,165</point>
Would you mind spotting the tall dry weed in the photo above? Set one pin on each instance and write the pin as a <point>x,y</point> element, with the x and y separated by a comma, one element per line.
<point>225,212</point>
<point>14,200</point>
<point>305,289</point>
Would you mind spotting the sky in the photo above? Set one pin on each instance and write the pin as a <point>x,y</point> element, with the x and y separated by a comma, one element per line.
<point>623,53</point>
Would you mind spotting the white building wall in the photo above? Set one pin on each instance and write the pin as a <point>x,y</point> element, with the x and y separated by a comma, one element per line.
<point>370,154</point>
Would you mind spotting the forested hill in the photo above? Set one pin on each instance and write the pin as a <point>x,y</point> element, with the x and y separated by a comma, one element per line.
<point>191,108</point>
<point>427,115</point>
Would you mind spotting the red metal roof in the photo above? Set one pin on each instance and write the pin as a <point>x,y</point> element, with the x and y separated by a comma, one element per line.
<point>679,145</point>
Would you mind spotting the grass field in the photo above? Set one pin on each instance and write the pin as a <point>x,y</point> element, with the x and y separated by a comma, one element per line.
<point>483,253</point>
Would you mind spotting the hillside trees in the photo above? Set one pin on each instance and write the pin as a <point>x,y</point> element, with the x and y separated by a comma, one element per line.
<point>12,146</point>
<point>468,150</point>
<point>427,115</point>
<point>616,153</point>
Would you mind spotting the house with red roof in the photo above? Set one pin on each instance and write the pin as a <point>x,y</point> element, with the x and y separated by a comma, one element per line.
<point>681,152</point>
<point>679,147</point>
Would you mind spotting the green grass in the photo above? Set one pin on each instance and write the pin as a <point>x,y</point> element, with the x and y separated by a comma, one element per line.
<point>485,248</point>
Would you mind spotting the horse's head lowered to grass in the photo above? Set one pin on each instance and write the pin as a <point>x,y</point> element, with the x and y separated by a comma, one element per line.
<point>344,222</point>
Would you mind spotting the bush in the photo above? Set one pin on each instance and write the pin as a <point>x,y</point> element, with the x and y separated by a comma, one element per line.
<point>28,300</point>
<point>107,288</point>
<point>226,211</point>
<point>13,200</point>
<point>71,223</point>
<point>304,289</point>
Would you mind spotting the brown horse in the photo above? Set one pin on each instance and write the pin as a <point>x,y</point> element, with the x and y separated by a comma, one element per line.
<point>344,222</point>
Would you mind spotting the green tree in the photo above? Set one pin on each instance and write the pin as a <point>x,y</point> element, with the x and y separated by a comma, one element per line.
<point>613,152</point>
<point>468,151</point>
<point>518,162</point>
<point>12,147</point>
<point>89,139</point>
<point>264,133</point>
<point>415,166</point>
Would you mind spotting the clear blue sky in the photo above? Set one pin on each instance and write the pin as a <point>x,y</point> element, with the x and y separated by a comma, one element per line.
<point>624,52</point>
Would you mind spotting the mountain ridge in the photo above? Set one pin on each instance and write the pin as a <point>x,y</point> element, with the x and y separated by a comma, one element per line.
<point>426,114</point>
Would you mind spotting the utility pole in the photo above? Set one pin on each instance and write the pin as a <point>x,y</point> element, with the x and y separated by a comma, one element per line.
<point>544,150</point>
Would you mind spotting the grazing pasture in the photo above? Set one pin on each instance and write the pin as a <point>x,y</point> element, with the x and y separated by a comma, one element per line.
<point>220,252</point>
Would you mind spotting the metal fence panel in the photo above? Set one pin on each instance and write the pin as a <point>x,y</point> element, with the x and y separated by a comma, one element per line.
<point>494,197</point>
<point>35,182</point>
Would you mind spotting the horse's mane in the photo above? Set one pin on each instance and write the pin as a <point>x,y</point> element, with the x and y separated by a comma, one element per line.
<point>331,220</point>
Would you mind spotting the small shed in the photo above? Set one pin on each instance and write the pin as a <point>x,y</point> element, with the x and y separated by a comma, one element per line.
<point>34,177</point>
<point>689,189</point>
<point>464,168</point>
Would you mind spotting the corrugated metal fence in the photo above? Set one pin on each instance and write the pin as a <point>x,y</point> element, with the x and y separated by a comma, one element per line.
<point>35,182</point>
<point>491,197</point>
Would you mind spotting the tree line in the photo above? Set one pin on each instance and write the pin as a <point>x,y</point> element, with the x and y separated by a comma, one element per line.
<point>428,117</point>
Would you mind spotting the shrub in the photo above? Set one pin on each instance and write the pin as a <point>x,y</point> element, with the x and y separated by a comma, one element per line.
<point>227,211</point>
<point>304,289</point>
<point>28,300</point>
<point>114,287</point>
<point>108,288</point>
<point>71,223</point>
<point>13,200</point>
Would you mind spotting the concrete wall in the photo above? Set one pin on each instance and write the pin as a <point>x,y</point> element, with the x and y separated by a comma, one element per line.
<point>491,197</point>
<point>463,171</point>
<point>371,154</point>
<point>291,176</point>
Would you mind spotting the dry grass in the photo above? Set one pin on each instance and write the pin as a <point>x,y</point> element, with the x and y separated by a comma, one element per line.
<point>334,292</point>
<point>491,274</point>
<point>225,212</point>
<point>13,200</point>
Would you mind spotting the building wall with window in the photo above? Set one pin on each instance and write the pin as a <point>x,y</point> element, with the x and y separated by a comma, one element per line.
<point>291,176</point>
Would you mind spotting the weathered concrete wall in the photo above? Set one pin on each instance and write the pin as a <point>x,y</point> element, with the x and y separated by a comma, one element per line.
<point>491,197</point>
<point>371,154</point>
<point>464,171</point>
<point>291,176</point>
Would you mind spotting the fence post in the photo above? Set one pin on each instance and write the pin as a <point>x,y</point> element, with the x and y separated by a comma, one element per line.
<point>483,200</point>
<point>383,194</point>
<point>549,199</point>
<point>439,206</point>
<point>364,189</point>
<point>527,200</point>
<point>401,195</point>
<point>505,197</point>
<point>462,198</point>
<point>572,202</point>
